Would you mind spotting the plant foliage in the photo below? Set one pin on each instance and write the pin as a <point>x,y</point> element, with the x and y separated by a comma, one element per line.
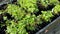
<point>24,17</point>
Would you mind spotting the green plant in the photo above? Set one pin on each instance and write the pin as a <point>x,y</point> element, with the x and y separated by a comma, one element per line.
<point>28,5</point>
<point>56,9</point>
<point>30,20</point>
<point>24,15</point>
<point>14,28</point>
<point>46,15</point>
<point>15,11</point>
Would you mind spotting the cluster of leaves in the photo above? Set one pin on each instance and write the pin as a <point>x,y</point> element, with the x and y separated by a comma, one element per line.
<point>28,5</point>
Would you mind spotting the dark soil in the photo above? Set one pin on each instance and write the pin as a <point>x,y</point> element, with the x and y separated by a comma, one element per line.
<point>2,30</point>
<point>3,7</point>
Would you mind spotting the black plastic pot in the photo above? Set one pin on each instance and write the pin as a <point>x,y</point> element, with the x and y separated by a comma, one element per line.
<point>52,28</point>
<point>5,2</point>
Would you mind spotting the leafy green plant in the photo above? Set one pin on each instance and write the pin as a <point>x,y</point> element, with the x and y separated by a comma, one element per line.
<point>14,28</point>
<point>28,5</point>
<point>15,11</point>
<point>30,20</point>
<point>46,15</point>
<point>56,9</point>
